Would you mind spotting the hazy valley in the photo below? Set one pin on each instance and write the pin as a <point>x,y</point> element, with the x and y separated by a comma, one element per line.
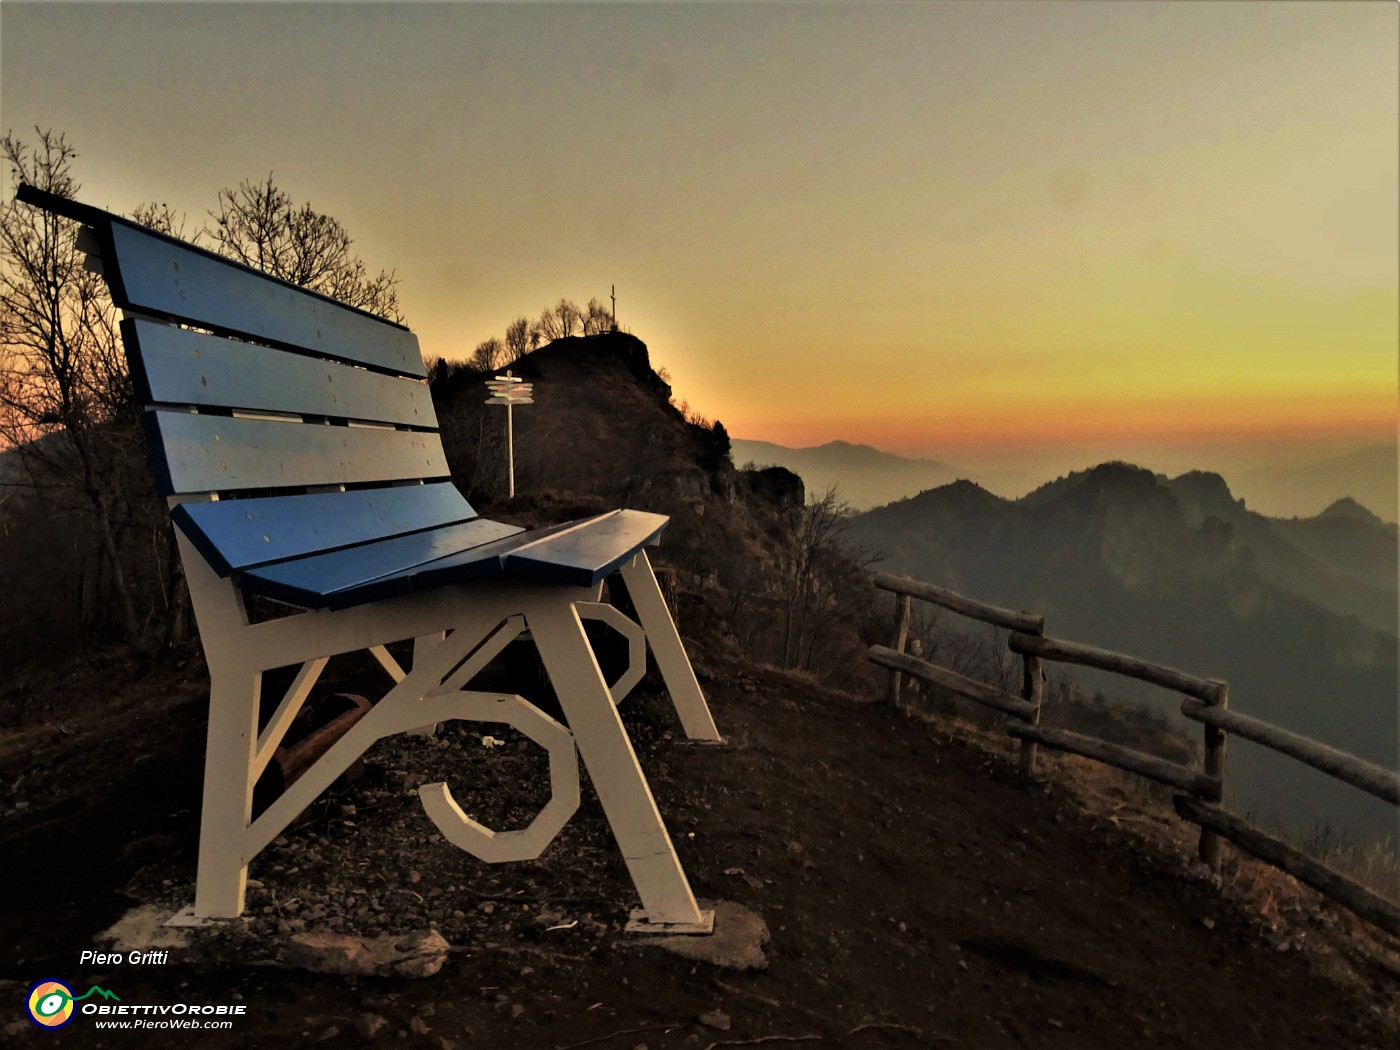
<point>1298,615</point>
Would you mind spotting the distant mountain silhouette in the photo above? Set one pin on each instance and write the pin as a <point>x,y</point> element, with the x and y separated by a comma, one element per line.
<point>1177,570</point>
<point>1344,559</point>
<point>1367,477</point>
<point>864,476</point>
<point>1348,508</point>
<point>1350,540</point>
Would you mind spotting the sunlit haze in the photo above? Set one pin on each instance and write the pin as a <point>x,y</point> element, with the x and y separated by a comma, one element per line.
<point>977,232</point>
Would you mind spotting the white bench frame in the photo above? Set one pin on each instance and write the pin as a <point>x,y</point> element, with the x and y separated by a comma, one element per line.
<point>457,628</point>
<point>470,623</point>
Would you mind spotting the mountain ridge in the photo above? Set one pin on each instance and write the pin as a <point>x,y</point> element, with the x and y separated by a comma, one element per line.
<point>1366,476</point>
<point>863,475</point>
<point>1179,571</point>
<point>867,477</point>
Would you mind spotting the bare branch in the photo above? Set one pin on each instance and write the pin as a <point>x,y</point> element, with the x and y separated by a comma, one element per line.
<point>258,225</point>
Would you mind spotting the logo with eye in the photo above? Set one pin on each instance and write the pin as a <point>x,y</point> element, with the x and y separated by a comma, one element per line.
<point>51,1002</point>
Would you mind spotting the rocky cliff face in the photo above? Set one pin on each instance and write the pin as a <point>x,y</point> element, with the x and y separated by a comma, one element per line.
<point>603,433</point>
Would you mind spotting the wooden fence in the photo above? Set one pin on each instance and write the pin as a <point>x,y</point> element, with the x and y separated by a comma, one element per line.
<point>1201,792</point>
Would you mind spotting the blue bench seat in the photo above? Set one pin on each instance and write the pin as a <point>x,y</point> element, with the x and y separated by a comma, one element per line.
<point>577,553</point>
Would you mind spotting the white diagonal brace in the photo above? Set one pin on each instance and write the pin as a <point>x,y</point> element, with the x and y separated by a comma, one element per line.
<point>271,736</point>
<point>387,661</point>
<point>403,703</point>
<point>487,651</point>
<point>666,646</point>
<point>612,764</point>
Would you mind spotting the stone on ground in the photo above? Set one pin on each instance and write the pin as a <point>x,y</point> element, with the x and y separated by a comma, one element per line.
<point>143,928</point>
<point>390,955</point>
<point>736,944</point>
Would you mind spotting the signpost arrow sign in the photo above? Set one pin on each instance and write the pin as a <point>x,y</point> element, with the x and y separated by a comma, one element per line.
<point>510,390</point>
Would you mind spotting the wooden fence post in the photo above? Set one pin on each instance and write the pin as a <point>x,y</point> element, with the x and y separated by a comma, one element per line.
<point>1214,766</point>
<point>901,635</point>
<point>1033,690</point>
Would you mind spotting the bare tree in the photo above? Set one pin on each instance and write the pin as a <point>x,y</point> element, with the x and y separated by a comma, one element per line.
<point>517,339</point>
<point>805,579</point>
<point>1001,666</point>
<point>163,219</point>
<point>597,319</point>
<point>257,224</point>
<point>549,327</point>
<point>66,408</point>
<point>490,355</point>
<point>65,398</point>
<point>568,315</point>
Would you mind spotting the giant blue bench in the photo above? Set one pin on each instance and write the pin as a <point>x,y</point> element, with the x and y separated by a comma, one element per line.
<point>295,440</point>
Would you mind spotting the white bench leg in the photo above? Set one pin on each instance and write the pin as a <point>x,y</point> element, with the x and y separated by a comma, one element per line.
<point>228,792</point>
<point>612,765</point>
<point>666,646</point>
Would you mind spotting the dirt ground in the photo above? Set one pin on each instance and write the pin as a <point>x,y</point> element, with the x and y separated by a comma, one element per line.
<point>919,893</point>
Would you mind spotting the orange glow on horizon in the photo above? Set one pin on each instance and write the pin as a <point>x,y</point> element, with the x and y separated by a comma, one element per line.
<point>914,226</point>
<point>1278,420</point>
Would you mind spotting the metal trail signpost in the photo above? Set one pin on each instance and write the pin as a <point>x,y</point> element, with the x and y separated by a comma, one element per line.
<point>510,391</point>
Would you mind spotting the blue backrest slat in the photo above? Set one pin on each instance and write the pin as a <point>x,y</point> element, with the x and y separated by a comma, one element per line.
<point>234,535</point>
<point>153,274</point>
<point>175,366</point>
<point>203,453</point>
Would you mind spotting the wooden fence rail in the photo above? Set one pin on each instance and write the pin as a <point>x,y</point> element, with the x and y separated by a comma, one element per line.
<point>1144,765</point>
<point>952,681</point>
<point>1029,623</point>
<point>1206,701</point>
<point>1211,690</point>
<point>1381,782</point>
<point>1032,692</point>
<point>1319,876</point>
<point>1206,689</point>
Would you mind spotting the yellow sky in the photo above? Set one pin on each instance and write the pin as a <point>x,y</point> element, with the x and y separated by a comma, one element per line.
<point>944,229</point>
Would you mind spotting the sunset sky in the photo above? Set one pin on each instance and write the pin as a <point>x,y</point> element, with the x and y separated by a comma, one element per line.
<point>969,231</point>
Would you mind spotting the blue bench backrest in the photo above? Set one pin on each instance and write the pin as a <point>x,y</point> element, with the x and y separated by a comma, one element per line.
<point>254,387</point>
<point>345,389</point>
